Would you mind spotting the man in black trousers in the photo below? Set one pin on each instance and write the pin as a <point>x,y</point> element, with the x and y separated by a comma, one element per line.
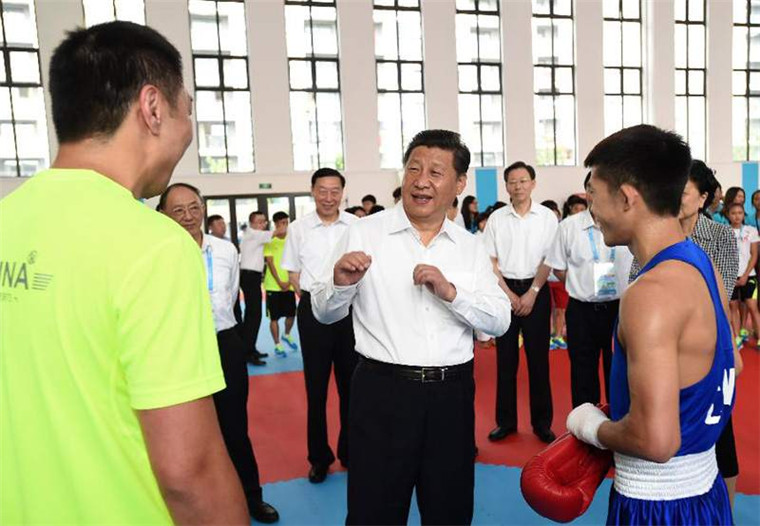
<point>251,269</point>
<point>517,238</point>
<point>310,241</point>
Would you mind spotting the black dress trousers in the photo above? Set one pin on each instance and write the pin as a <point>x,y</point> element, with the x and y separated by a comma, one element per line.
<point>535,328</point>
<point>250,284</point>
<point>324,346</point>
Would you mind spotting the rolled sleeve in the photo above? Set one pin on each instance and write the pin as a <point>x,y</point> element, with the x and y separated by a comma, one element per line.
<point>291,256</point>
<point>329,302</point>
<point>557,257</point>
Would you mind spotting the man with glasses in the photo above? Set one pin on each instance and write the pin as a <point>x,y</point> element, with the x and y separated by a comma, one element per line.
<point>184,204</point>
<point>518,238</point>
<point>311,239</point>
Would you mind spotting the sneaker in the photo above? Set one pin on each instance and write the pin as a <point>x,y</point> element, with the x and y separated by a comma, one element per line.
<point>290,341</point>
<point>553,344</point>
<point>279,351</point>
<point>561,343</point>
<point>744,333</point>
<point>739,342</point>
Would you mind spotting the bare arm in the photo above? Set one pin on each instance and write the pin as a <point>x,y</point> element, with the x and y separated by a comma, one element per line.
<point>191,464</point>
<point>528,300</point>
<point>269,262</point>
<point>738,362</point>
<point>294,278</point>
<point>513,298</point>
<point>649,327</point>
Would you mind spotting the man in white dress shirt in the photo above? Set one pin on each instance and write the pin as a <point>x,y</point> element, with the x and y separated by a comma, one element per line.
<point>418,285</point>
<point>595,276</point>
<point>251,269</point>
<point>517,238</point>
<point>311,239</point>
<point>184,204</point>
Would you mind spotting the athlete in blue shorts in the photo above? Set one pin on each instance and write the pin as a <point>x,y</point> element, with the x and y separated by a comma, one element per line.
<point>674,364</point>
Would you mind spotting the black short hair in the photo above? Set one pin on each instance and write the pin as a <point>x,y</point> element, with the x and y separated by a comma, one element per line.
<point>327,172</point>
<point>455,203</point>
<point>586,180</point>
<point>551,205</point>
<point>729,197</point>
<point>165,195</point>
<point>375,209</point>
<point>573,199</point>
<point>96,74</point>
<point>397,193</point>
<point>371,198</point>
<point>279,216</point>
<point>654,161</point>
<point>445,140</point>
<point>212,218</point>
<point>704,179</point>
<point>254,214</point>
<point>520,164</point>
<point>498,204</point>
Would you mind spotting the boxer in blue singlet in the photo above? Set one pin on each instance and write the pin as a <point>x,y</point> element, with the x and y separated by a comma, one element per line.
<point>674,365</point>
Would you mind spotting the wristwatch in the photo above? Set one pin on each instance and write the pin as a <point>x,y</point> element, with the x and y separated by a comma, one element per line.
<point>535,289</point>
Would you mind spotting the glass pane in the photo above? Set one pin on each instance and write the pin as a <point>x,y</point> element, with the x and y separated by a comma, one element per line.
<point>740,47</point>
<point>411,77</point>
<point>219,207</point>
<point>466,5</point>
<point>632,47</point>
<point>20,24</point>
<point>409,3</point>
<point>541,7</point>
<point>696,10</point>
<point>739,83</point>
<point>544,112</point>
<point>385,3</point>
<point>488,5</point>
<point>2,66</point>
<point>631,82</point>
<point>740,11</point>
<point>680,86</point>
<point>232,30</point>
<point>243,208</point>
<point>680,9</point>
<point>467,38</point>
<point>327,74</point>
<point>97,12</point>
<point>300,74</point>
<point>31,129</point>
<point>25,67</point>
<point>754,44</point>
<point>490,38</point>
<point>631,8</point>
<point>204,36</point>
<point>681,117</point>
<point>542,79</point>
<point>490,78</point>
<point>277,204</point>
<point>469,123</point>
<point>304,205</point>
<point>389,119</point>
<point>412,116</point>
<point>754,130</point>
<point>697,130</point>
<point>7,136</point>
<point>680,46</point>
<point>632,110</point>
<point>304,128</point>
<point>611,8</point>
<point>237,105</point>
<point>613,114</point>
<point>468,78</point>
<point>696,82</point>
<point>563,44</point>
<point>612,44</point>
<point>563,80</point>
<point>209,113</point>
<point>696,46</point>
<point>236,73</point>
<point>612,84</point>
<point>387,76</point>
<point>754,83</point>
<point>131,10</point>
<point>563,7</point>
<point>207,72</point>
<point>297,30</point>
<point>492,129</point>
<point>410,35</point>
<point>754,18</point>
<point>565,111</point>
<point>386,45</point>
<point>325,24</point>
<point>329,130</point>
<point>542,41</point>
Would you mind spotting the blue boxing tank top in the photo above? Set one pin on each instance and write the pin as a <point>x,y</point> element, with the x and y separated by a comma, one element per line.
<point>706,405</point>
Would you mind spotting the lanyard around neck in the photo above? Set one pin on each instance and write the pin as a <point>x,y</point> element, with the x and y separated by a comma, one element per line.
<point>595,250</point>
<point>209,267</point>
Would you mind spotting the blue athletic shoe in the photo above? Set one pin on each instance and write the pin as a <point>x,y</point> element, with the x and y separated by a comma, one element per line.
<point>290,341</point>
<point>279,351</point>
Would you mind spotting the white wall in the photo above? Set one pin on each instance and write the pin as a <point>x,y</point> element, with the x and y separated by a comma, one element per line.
<point>271,112</point>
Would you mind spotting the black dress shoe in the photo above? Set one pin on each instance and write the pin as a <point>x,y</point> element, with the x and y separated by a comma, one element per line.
<point>545,435</point>
<point>258,354</point>
<point>500,433</point>
<point>317,474</point>
<point>253,360</point>
<point>263,512</point>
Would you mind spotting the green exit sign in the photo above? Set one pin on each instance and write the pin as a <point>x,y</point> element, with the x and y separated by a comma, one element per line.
<point>265,186</point>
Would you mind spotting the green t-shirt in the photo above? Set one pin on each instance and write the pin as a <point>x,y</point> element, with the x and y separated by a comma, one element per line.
<point>104,310</point>
<point>274,249</point>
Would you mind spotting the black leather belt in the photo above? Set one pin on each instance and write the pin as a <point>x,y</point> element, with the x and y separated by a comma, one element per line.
<point>417,373</point>
<point>523,282</point>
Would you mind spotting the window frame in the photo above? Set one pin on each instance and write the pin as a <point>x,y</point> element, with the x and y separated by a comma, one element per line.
<point>687,22</point>
<point>747,94</point>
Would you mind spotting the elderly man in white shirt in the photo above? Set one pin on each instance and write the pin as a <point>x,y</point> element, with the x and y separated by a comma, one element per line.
<point>251,269</point>
<point>184,204</point>
<point>311,239</point>
<point>418,285</point>
<point>595,276</point>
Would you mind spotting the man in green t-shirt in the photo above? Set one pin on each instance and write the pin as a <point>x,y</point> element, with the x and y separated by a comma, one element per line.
<point>281,299</point>
<point>108,356</point>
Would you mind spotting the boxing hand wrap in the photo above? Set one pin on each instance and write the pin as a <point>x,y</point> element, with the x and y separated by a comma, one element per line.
<point>584,421</point>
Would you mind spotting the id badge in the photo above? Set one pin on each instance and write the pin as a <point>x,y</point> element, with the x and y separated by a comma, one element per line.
<point>605,281</point>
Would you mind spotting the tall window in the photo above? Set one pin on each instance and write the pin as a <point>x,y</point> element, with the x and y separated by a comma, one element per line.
<point>100,11</point>
<point>746,100</point>
<point>315,114</point>
<point>623,72</point>
<point>480,92</point>
<point>691,78</point>
<point>222,92</point>
<point>400,90</point>
<point>23,126</point>
<point>554,81</point>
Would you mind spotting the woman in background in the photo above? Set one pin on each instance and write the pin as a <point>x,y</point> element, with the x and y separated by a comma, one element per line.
<point>470,213</point>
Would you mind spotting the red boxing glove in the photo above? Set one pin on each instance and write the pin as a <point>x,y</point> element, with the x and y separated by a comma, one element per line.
<point>559,483</point>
